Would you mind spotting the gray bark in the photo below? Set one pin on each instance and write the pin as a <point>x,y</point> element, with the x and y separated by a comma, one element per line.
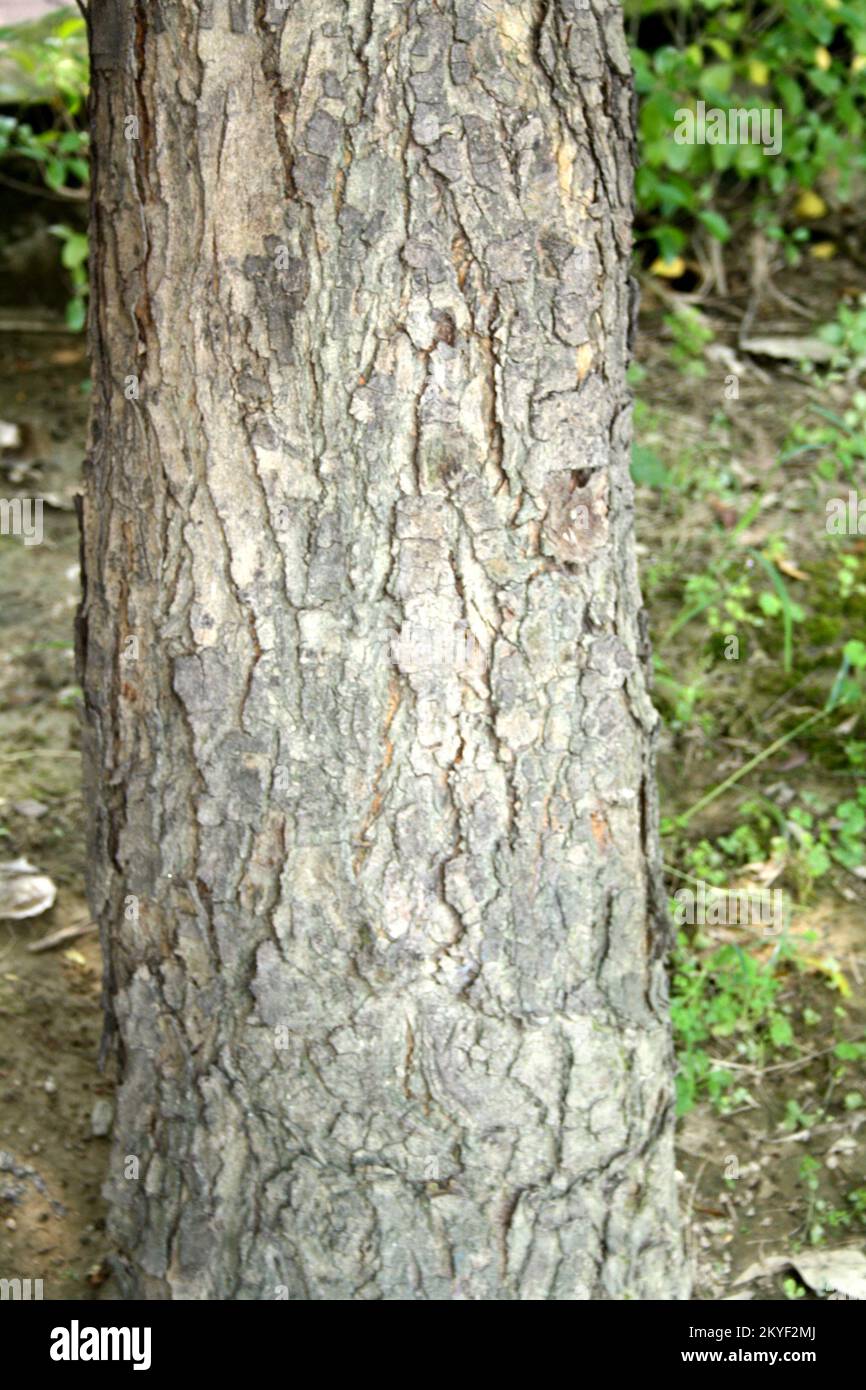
<point>369,740</point>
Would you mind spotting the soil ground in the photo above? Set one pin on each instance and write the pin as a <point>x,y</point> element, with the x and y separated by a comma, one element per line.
<point>51,1165</point>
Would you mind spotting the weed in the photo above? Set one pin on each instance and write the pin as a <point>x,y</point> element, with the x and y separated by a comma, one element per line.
<point>725,992</point>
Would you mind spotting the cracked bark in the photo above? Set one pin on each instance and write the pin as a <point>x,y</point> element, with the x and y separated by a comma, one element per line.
<point>369,743</point>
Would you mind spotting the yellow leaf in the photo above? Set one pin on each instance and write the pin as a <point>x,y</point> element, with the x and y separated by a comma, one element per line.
<point>823,250</point>
<point>759,73</point>
<point>829,967</point>
<point>791,570</point>
<point>822,58</point>
<point>75,956</point>
<point>809,205</point>
<point>669,270</point>
<point>858,62</point>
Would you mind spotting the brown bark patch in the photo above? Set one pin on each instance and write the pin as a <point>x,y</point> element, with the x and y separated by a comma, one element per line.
<point>575,522</point>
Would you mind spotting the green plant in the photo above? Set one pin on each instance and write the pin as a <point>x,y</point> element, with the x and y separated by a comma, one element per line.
<point>838,440</point>
<point>857,1198</point>
<point>59,156</point>
<point>845,691</point>
<point>796,1117</point>
<point>74,257</point>
<point>727,599</point>
<point>847,337</point>
<point>49,60</point>
<point>837,437</point>
<point>45,64</point>
<point>647,468</point>
<point>45,61</point>
<point>726,992</point>
<point>809,62</point>
<point>691,334</point>
<point>70,697</point>
<point>821,1214</point>
<point>849,583</point>
<point>825,833</point>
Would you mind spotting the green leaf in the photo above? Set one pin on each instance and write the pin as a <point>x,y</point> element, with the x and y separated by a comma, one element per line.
<point>672,196</point>
<point>55,173</point>
<point>749,159</point>
<point>670,241</point>
<point>666,60</point>
<point>74,251</point>
<point>852,813</point>
<point>647,469</point>
<point>70,27</point>
<point>721,48</point>
<point>781,1032</point>
<point>76,315</point>
<point>716,80</point>
<point>791,94</point>
<point>817,861</point>
<point>716,224</point>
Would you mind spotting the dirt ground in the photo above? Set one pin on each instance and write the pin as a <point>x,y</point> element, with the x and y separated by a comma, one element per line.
<point>741,1172</point>
<point>51,1214</point>
<point>747,1196</point>
<point>743,1195</point>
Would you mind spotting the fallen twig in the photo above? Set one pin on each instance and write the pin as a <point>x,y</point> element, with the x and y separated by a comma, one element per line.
<point>58,937</point>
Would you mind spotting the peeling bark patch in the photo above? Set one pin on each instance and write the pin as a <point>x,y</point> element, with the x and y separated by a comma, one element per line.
<point>600,829</point>
<point>576,517</point>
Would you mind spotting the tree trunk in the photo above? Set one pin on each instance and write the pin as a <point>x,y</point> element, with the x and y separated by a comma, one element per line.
<point>369,743</point>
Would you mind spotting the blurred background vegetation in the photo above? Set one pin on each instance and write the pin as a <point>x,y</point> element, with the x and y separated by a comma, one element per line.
<point>44,160</point>
<point>806,58</point>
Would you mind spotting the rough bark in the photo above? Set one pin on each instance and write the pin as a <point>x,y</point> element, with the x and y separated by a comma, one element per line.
<point>369,743</point>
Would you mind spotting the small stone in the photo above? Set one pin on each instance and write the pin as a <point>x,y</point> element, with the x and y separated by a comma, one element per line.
<point>100,1118</point>
<point>29,808</point>
<point>49,1086</point>
<point>11,1224</point>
